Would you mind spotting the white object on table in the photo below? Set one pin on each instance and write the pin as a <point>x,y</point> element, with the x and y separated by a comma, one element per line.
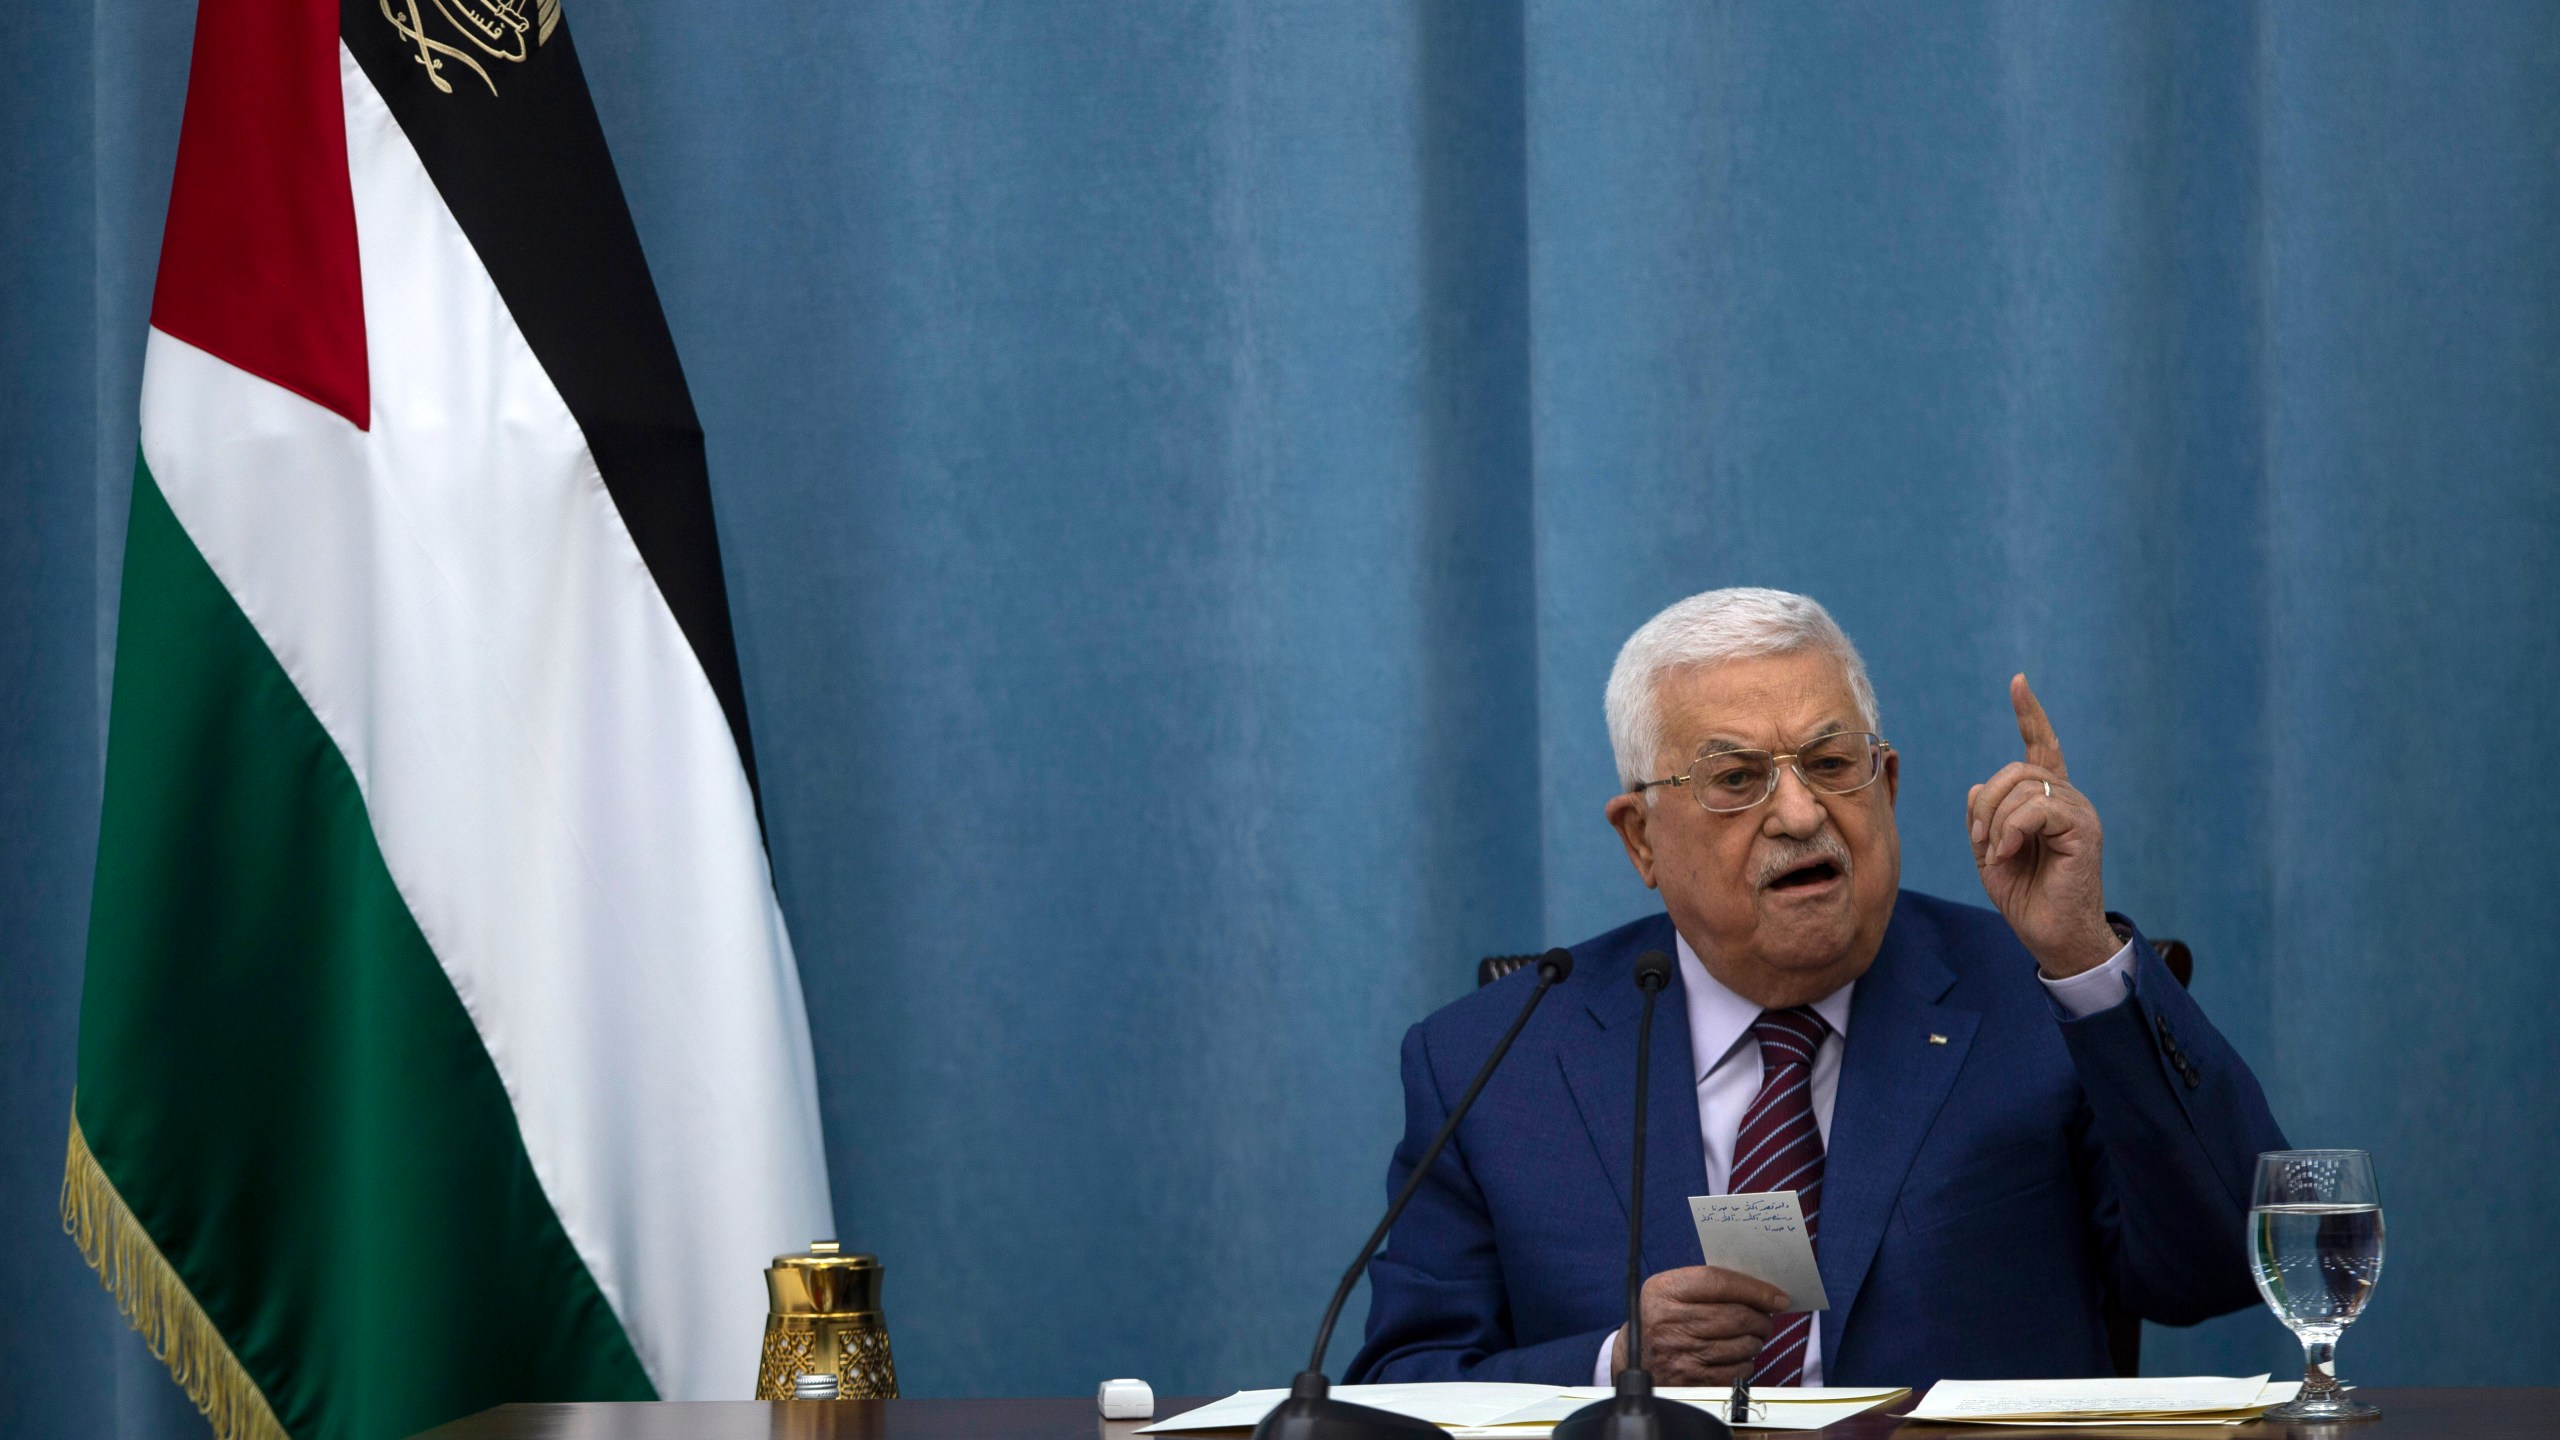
<point>1126,1400</point>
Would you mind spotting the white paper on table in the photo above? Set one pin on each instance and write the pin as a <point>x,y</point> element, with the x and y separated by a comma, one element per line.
<point>2277,1392</point>
<point>1441,1403</point>
<point>1797,1415</point>
<point>1777,1407</point>
<point>1761,1236</point>
<point>2130,1398</point>
<point>1550,1409</point>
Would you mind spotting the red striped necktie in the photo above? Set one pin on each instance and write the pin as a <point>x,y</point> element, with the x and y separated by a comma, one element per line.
<point>1780,1148</point>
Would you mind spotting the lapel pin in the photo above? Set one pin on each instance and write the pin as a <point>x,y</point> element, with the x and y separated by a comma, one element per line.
<point>1937,1039</point>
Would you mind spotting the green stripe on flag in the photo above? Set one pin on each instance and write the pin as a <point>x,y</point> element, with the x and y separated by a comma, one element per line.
<point>275,1073</point>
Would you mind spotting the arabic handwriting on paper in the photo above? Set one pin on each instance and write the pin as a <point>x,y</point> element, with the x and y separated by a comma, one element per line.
<point>1762,1236</point>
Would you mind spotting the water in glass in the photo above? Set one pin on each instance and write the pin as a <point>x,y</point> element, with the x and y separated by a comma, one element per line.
<point>2315,1240</point>
<point>2317,1263</point>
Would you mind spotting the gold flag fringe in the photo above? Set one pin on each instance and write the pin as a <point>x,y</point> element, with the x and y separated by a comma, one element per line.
<point>158,1302</point>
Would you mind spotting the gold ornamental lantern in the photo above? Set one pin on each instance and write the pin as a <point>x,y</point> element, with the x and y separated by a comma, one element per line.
<point>825,1320</point>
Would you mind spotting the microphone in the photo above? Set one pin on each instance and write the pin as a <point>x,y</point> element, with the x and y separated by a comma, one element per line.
<point>1635,1412</point>
<point>1310,1412</point>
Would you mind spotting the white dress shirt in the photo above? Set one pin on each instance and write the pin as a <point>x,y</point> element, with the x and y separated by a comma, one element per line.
<point>1728,1061</point>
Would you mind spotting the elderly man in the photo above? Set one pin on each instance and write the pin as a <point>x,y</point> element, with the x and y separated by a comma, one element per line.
<point>1994,1121</point>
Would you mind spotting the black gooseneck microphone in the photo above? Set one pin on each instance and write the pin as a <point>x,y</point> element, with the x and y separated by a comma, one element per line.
<point>1311,1412</point>
<point>1635,1412</point>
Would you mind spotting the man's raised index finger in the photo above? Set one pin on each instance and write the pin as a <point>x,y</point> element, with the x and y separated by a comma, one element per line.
<point>2043,746</point>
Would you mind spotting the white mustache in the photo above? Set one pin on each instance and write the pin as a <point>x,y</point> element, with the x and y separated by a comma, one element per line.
<point>1785,855</point>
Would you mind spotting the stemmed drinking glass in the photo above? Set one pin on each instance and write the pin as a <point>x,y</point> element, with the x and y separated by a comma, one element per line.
<point>2315,1239</point>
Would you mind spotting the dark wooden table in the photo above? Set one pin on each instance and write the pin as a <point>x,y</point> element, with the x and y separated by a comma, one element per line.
<point>2470,1414</point>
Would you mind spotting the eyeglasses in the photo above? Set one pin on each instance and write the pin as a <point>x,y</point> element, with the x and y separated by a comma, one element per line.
<point>1726,780</point>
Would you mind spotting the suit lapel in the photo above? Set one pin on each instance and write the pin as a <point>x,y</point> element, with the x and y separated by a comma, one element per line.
<point>1600,1070</point>
<point>1901,1057</point>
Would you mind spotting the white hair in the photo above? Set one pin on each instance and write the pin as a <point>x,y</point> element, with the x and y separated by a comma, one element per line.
<point>1708,629</point>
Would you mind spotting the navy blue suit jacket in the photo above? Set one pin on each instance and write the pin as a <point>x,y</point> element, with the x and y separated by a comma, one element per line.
<point>1992,1173</point>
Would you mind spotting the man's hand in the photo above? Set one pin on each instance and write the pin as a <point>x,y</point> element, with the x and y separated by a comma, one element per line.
<point>2036,844</point>
<point>1702,1325</point>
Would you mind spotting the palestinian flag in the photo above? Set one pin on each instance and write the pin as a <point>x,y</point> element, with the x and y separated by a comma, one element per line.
<point>442,1044</point>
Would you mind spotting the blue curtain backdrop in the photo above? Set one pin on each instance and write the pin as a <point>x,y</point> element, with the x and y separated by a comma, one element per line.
<point>1185,469</point>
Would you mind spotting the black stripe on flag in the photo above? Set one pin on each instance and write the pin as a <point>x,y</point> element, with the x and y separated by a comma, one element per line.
<point>492,97</point>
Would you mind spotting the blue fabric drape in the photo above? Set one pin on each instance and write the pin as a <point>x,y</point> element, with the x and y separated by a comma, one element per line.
<point>1185,470</point>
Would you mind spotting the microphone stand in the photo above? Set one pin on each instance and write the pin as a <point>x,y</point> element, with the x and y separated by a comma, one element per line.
<point>1311,1412</point>
<point>1635,1412</point>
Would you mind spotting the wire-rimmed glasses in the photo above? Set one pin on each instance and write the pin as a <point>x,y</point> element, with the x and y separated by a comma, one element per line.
<point>1725,778</point>
<point>2315,1241</point>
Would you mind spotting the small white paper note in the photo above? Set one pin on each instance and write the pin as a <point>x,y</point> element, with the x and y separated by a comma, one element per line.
<point>1761,1236</point>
